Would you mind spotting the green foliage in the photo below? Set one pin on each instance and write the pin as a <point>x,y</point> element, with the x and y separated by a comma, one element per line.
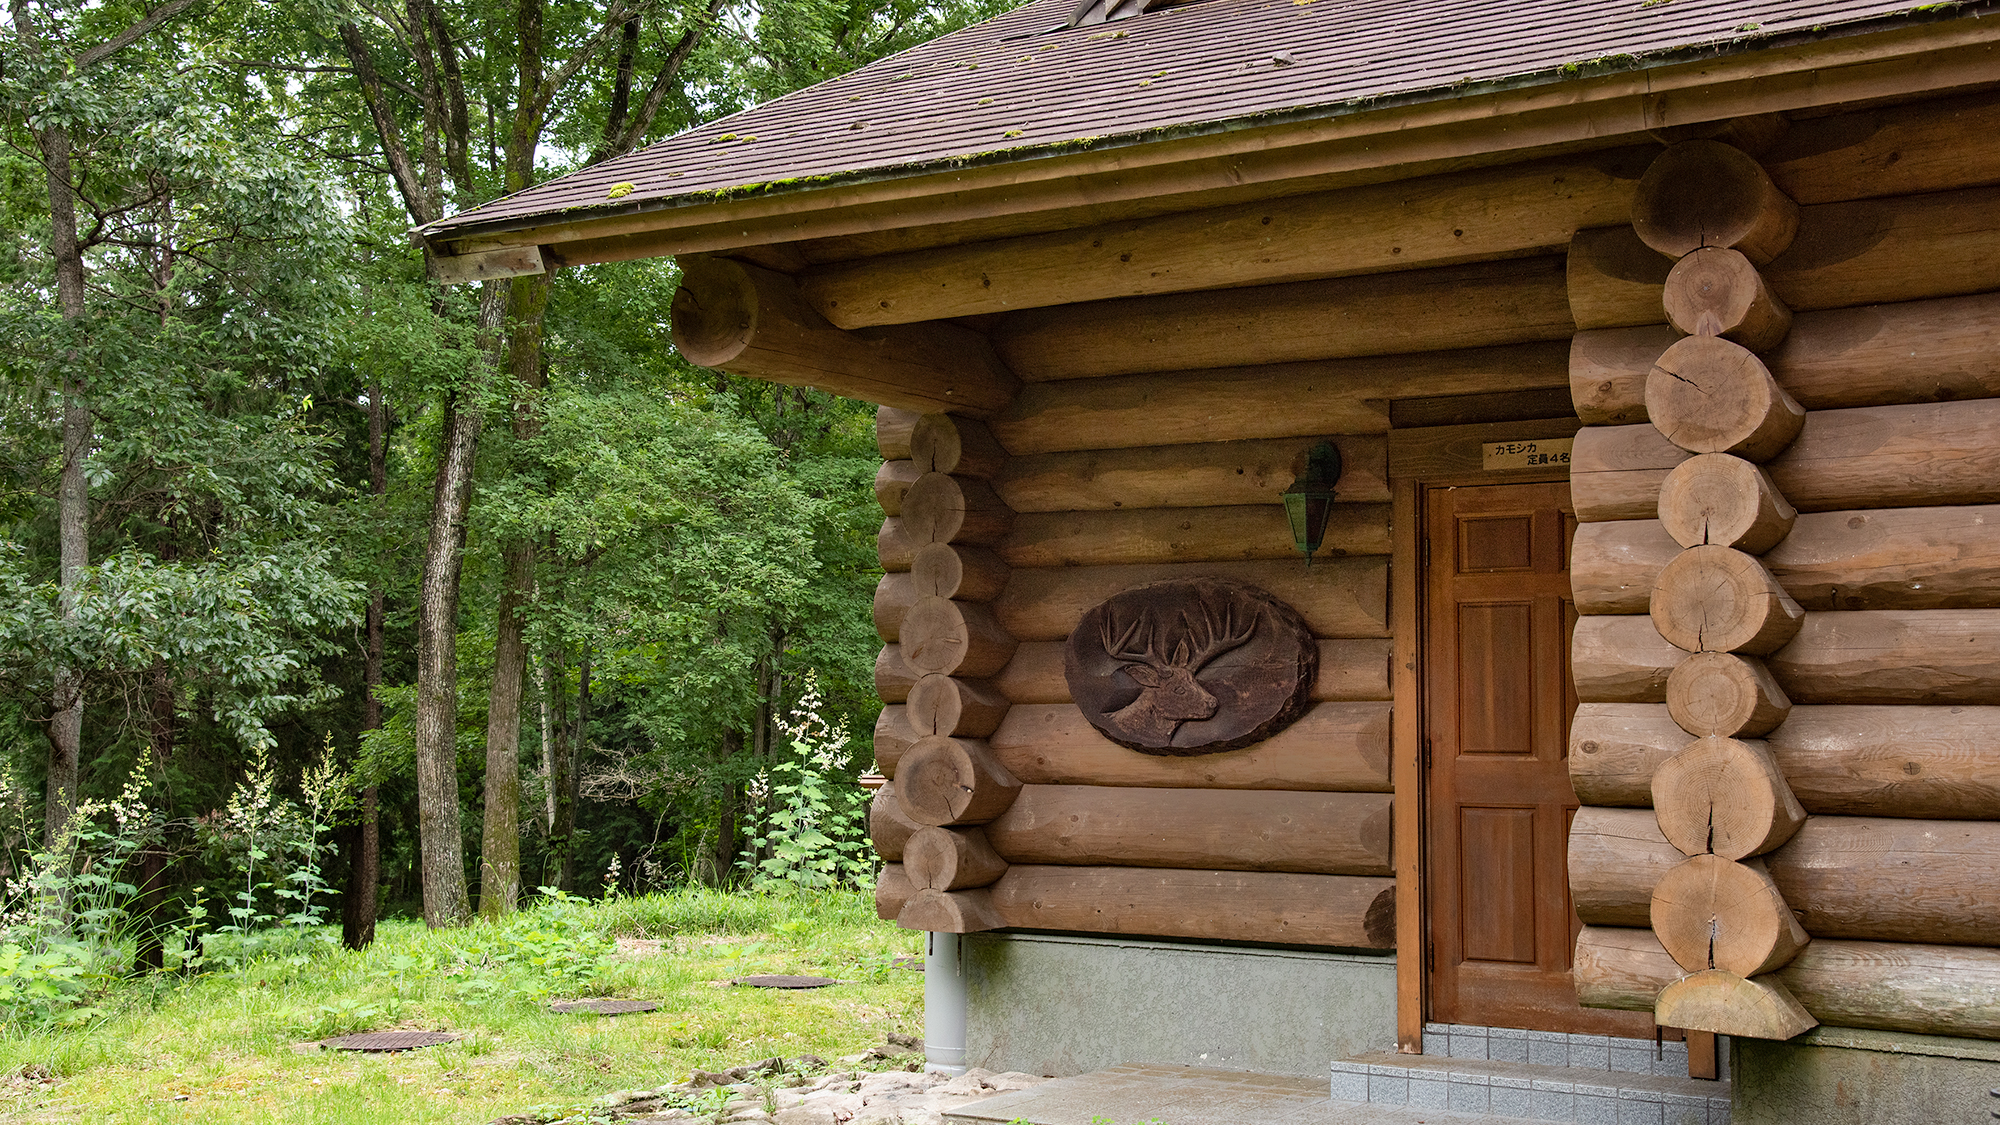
<point>814,819</point>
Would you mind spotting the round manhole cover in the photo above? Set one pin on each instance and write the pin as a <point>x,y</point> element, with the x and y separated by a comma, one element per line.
<point>605,1007</point>
<point>388,1040</point>
<point>767,981</point>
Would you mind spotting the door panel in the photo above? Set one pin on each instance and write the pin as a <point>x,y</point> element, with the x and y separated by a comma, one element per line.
<point>1497,707</point>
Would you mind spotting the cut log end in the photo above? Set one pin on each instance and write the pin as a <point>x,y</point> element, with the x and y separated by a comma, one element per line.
<point>1706,193</point>
<point>714,312</point>
<point>1711,912</point>
<point>892,890</point>
<point>1727,1004</point>
<point>1726,501</point>
<point>1724,797</point>
<point>951,859</point>
<point>1715,599</point>
<point>1717,292</point>
<point>1708,395</point>
<point>888,828</point>
<point>972,574</point>
<point>893,428</point>
<point>950,705</point>
<point>950,912</point>
<point>942,443</point>
<point>945,781</point>
<point>1725,695</point>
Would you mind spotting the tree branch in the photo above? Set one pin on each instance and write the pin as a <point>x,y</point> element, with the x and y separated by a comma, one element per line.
<point>393,148</point>
<point>657,91</point>
<point>139,27</point>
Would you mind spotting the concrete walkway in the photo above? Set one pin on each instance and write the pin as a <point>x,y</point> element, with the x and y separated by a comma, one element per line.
<point>1186,1095</point>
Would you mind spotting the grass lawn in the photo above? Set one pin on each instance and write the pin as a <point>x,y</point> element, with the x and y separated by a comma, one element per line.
<point>235,1044</point>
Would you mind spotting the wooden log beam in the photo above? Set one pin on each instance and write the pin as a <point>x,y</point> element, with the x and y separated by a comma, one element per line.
<point>1702,193</point>
<point>747,320</point>
<point>1206,474</point>
<point>1715,599</point>
<point>941,443</point>
<point>1889,558</point>
<point>951,638</point>
<point>952,781</point>
<point>1717,292</point>
<point>1865,878</point>
<point>1726,798</point>
<point>967,574</point>
<point>1887,150</point>
<point>894,595</point>
<point>1619,659</point>
<point>1320,396</point>
<point>1865,252</point>
<point>1210,829</point>
<point>1890,986</point>
<point>1406,224</point>
<point>1941,350</point>
<point>1349,671</point>
<point>1337,747</point>
<point>1429,310</point>
<point>951,859</point>
<point>941,508</point>
<point>1708,395</point>
<point>893,547</point>
<point>1616,472</point>
<point>954,705</point>
<point>1338,597</point>
<point>893,429</point>
<point>893,675</point>
<point>892,483</point>
<point>1725,695</point>
<point>1913,761</point>
<point>1893,656</point>
<point>892,889</point>
<point>1725,501</point>
<point>1890,879</point>
<point>1349,911</point>
<point>950,912</point>
<point>1166,535</point>
<point>1713,913</point>
<point>1616,858</point>
<point>1723,1003</point>
<point>888,827</point>
<point>893,735</point>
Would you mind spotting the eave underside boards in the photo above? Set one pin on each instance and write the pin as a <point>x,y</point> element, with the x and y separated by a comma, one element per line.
<point>1894,675</point>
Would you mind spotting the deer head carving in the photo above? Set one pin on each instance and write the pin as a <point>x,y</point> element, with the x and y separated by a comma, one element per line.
<point>1165,667</point>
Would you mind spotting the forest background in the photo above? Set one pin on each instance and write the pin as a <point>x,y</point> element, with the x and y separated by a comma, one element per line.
<point>486,582</point>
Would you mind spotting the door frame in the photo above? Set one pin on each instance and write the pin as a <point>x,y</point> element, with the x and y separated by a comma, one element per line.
<point>1406,737</point>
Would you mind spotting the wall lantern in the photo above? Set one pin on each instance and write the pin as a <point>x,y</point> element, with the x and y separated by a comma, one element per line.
<point>1309,501</point>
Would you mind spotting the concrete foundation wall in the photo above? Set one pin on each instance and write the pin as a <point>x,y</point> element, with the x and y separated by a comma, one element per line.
<point>1067,1005</point>
<point>1840,1076</point>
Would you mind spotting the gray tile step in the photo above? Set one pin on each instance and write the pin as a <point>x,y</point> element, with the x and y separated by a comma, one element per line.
<point>1584,1095</point>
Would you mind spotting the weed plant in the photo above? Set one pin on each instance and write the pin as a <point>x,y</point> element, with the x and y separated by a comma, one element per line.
<point>812,819</point>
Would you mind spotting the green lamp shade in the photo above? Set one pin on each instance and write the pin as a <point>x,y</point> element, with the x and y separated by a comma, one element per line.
<point>1309,501</point>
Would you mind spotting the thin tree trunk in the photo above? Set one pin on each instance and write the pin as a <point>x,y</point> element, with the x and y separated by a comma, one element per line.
<point>446,900</point>
<point>358,906</point>
<point>73,494</point>
<point>570,790</point>
<point>558,764</point>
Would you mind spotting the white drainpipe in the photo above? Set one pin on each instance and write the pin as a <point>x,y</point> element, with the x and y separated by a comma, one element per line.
<point>944,1004</point>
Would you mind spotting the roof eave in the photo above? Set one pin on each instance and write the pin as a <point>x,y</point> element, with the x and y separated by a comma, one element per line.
<point>1616,94</point>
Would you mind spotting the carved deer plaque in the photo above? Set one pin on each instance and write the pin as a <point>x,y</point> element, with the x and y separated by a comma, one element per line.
<point>1196,666</point>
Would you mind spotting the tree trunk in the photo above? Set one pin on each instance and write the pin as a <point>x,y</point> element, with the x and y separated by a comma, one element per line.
<point>500,849</point>
<point>446,902</point>
<point>566,807</point>
<point>364,870</point>
<point>73,494</point>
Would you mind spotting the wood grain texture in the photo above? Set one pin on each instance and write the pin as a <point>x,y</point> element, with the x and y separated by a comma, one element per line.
<point>941,508</point>
<point>1726,798</point>
<point>951,638</point>
<point>1341,747</point>
<point>1912,761</point>
<point>893,428</point>
<point>1712,913</point>
<point>892,889</point>
<point>1726,501</point>
<point>1346,597</point>
<point>946,570</point>
<point>1220,829</point>
<point>942,443</point>
<point>1888,150</point>
<point>950,912</point>
<point>888,827</point>
<point>893,547</point>
<point>894,595</point>
<point>1346,911</point>
<point>1708,395</point>
<point>951,859</point>
<point>1160,535</point>
<point>1168,406</point>
<point>1890,986</point>
<point>1866,252</point>
<point>1892,879</point>
<point>1206,474</point>
<point>893,675</point>
<point>1940,350</point>
<point>1893,656</point>
<point>748,320</point>
<point>1616,472</point>
<point>1621,659</point>
<point>1616,858</point>
<point>1714,599</point>
<point>1725,695</point>
<point>1893,457</point>
<point>1454,307</point>
<point>954,705</point>
<point>1723,1003</point>
<point>1402,225</point>
<point>1702,193</point>
<point>1718,292</point>
<point>892,483</point>
<point>893,735</point>
<point>1349,670</point>
<point>944,781</point>
<point>1614,565</point>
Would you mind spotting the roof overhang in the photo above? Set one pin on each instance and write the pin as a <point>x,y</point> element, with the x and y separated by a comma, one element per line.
<point>1541,112</point>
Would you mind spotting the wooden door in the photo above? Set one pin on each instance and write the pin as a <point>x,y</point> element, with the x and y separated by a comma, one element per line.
<point>1498,802</point>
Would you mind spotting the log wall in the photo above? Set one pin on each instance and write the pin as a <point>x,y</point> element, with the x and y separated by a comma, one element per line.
<point>1848,524</point>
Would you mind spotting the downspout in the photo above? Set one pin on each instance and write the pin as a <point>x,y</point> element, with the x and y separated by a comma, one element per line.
<point>944,1004</point>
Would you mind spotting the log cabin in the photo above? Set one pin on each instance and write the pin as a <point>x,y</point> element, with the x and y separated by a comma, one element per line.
<point>1634,373</point>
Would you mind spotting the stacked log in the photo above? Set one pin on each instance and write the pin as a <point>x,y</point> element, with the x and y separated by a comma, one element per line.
<point>1721,801</point>
<point>934,607</point>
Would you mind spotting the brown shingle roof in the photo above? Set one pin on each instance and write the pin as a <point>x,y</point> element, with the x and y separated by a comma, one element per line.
<point>1020,85</point>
